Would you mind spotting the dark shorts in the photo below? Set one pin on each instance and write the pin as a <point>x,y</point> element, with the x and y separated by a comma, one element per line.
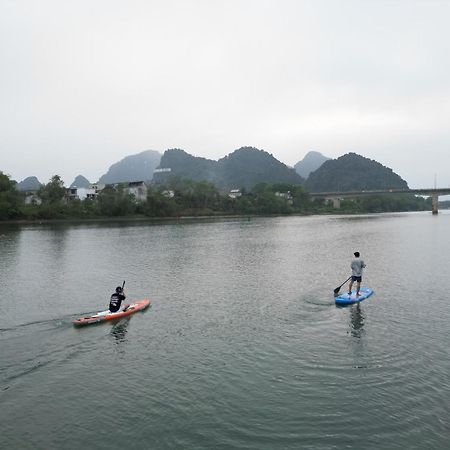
<point>114,306</point>
<point>358,279</point>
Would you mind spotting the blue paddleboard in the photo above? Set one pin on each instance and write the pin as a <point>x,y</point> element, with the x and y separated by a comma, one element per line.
<point>346,299</point>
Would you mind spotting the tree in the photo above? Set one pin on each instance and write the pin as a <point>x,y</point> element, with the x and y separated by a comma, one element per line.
<point>267,202</point>
<point>10,198</point>
<point>158,204</point>
<point>205,195</point>
<point>53,192</point>
<point>301,199</point>
<point>116,202</point>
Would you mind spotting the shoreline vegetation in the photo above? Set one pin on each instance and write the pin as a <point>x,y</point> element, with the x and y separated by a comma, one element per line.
<point>184,199</point>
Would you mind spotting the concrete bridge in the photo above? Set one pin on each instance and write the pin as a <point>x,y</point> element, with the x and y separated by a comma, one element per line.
<point>336,197</point>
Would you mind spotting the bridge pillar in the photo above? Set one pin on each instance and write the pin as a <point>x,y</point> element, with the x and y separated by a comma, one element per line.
<point>434,203</point>
<point>335,200</point>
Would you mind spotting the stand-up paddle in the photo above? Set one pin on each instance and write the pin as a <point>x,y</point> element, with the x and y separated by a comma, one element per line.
<point>339,287</point>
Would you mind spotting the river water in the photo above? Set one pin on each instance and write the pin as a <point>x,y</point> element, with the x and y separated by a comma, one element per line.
<point>243,346</point>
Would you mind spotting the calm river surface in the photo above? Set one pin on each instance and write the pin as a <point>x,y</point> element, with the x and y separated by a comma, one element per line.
<point>243,347</point>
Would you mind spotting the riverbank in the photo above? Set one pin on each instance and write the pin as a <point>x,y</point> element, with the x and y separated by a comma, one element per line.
<point>186,218</point>
<point>127,219</point>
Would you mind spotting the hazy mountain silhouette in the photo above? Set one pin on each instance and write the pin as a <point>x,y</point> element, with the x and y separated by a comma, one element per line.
<point>29,184</point>
<point>244,168</point>
<point>353,172</point>
<point>137,167</point>
<point>80,182</point>
<point>311,162</point>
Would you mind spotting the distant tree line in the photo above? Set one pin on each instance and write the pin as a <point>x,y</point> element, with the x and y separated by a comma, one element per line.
<point>181,197</point>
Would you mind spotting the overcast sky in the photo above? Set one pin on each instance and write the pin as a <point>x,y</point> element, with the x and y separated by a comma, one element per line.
<point>85,83</point>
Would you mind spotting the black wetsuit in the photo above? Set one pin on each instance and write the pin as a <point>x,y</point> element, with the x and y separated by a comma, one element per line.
<point>116,301</point>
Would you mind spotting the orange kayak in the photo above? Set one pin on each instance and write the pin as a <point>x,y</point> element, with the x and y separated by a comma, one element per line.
<point>103,316</point>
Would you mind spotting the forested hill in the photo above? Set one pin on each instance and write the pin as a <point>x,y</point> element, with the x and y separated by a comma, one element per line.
<point>183,165</point>
<point>138,167</point>
<point>243,168</point>
<point>249,166</point>
<point>353,172</point>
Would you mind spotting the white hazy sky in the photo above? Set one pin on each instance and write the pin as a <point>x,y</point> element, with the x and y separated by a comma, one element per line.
<point>85,83</point>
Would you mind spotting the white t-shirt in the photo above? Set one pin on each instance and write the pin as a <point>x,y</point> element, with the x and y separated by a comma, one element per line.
<point>357,266</point>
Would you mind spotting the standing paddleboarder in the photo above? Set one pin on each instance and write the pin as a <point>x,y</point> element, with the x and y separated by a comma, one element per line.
<point>357,266</point>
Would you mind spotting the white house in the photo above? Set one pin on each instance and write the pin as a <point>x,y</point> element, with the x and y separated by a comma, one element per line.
<point>168,193</point>
<point>82,193</point>
<point>235,193</point>
<point>90,193</point>
<point>286,195</point>
<point>138,189</point>
<point>32,198</point>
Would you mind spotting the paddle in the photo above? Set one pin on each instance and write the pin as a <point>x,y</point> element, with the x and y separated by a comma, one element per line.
<point>126,307</point>
<point>339,287</point>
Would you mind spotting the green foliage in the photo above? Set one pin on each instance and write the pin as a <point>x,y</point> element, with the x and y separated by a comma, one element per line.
<point>301,199</point>
<point>388,203</point>
<point>29,212</point>
<point>241,205</point>
<point>80,208</point>
<point>266,201</point>
<point>186,197</point>
<point>384,203</point>
<point>53,192</point>
<point>10,198</point>
<point>116,202</point>
<point>51,211</point>
<point>159,204</point>
<point>196,195</point>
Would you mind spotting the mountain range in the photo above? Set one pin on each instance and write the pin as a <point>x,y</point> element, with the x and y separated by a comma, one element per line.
<point>244,168</point>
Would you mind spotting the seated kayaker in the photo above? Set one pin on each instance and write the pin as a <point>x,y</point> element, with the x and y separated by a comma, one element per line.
<point>116,299</point>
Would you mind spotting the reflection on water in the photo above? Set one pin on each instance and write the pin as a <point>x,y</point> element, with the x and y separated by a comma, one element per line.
<point>119,330</point>
<point>356,320</point>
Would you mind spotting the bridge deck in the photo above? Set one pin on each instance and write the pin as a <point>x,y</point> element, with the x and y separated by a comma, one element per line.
<point>427,192</point>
